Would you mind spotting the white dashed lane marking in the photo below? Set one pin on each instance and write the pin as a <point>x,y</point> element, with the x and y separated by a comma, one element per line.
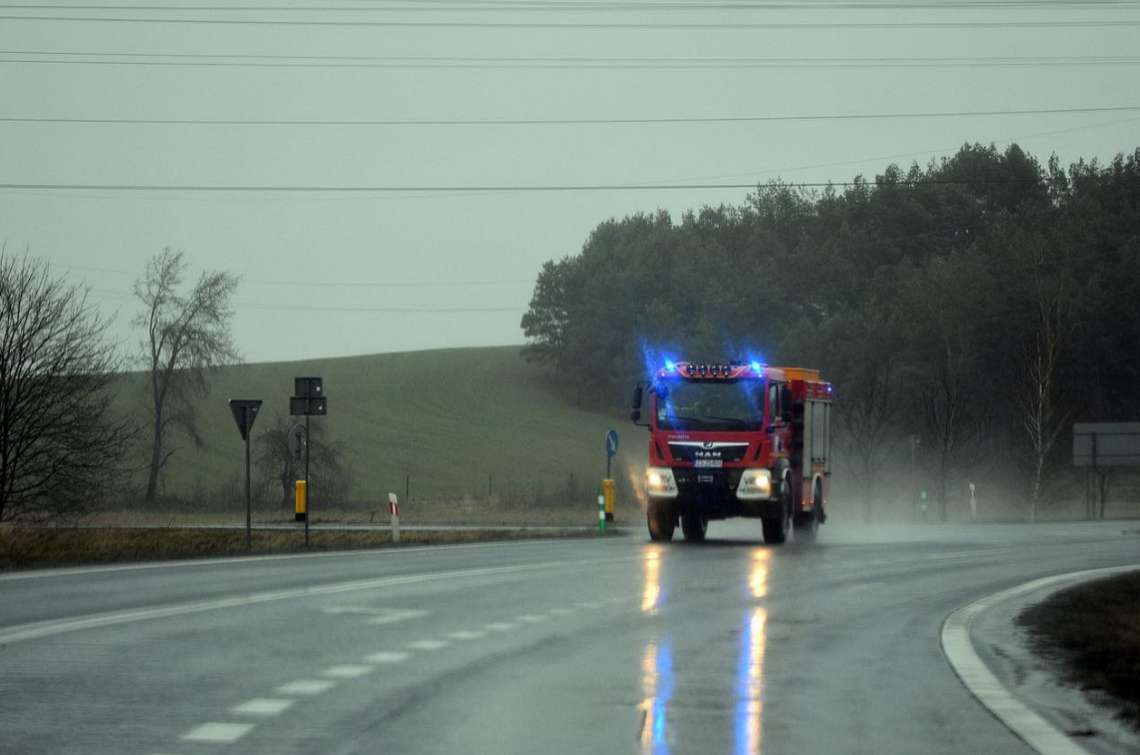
<point>387,656</point>
<point>347,671</point>
<point>306,687</point>
<point>465,634</point>
<point>392,615</point>
<point>263,706</point>
<point>216,732</point>
<point>500,626</point>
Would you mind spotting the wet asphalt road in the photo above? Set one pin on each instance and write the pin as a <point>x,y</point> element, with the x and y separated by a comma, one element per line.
<point>574,646</point>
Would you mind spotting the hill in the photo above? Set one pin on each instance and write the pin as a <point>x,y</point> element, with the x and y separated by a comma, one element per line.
<point>450,422</point>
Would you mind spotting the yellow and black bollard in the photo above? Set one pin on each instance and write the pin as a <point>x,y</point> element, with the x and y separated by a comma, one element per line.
<point>300,501</point>
<point>608,490</point>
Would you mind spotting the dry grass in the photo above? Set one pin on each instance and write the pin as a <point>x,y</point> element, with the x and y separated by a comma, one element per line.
<point>27,548</point>
<point>1095,630</point>
<point>450,512</point>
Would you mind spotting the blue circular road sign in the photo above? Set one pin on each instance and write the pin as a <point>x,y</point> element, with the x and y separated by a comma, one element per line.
<point>611,442</point>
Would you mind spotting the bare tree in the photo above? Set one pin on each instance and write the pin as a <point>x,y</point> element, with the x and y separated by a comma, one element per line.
<point>60,441</point>
<point>1041,409</point>
<point>186,338</point>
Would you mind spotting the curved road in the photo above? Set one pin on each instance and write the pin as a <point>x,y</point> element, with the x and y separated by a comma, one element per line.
<point>573,646</point>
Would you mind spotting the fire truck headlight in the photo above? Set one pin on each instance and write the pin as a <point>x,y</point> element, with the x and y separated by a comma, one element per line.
<point>754,484</point>
<point>659,482</point>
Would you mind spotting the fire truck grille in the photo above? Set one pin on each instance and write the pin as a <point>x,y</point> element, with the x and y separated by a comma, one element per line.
<point>708,453</point>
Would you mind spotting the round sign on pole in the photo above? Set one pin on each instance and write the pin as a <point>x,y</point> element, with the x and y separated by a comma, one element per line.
<point>611,442</point>
<point>297,441</point>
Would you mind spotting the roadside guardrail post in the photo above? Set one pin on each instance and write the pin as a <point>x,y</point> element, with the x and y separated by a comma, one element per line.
<point>394,511</point>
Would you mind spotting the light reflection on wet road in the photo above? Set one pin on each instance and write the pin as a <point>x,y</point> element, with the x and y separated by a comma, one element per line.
<point>617,646</point>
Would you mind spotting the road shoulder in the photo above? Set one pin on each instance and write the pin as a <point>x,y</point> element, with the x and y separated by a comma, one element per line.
<point>997,662</point>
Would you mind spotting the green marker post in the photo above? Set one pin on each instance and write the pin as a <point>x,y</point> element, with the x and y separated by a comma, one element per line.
<point>601,512</point>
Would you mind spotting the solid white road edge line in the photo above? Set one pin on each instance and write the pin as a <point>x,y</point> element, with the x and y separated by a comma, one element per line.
<point>40,629</point>
<point>180,563</point>
<point>1034,730</point>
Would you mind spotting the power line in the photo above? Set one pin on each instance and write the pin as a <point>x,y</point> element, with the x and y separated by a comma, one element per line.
<point>543,63</point>
<point>298,307</point>
<point>321,284</point>
<point>532,6</point>
<point>564,121</point>
<point>574,25</point>
<point>565,6</point>
<point>487,189</point>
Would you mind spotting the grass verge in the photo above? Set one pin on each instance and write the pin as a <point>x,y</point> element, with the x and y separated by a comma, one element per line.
<point>1094,629</point>
<point>31,548</point>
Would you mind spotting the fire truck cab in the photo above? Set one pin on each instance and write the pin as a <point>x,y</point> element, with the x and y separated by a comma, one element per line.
<point>740,439</point>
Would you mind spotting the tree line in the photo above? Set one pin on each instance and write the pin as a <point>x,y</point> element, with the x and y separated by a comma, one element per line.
<point>968,311</point>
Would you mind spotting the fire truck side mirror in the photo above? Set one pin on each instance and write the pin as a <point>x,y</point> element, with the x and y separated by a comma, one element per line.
<point>786,404</point>
<point>635,413</point>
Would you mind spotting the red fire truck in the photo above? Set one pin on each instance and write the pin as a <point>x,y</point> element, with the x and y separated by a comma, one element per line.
<point>736,440</point>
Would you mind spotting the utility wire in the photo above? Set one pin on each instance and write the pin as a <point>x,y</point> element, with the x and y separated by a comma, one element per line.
<point>564,121</point>
<point>564,63</point>
<point>531,6</point>
<point>490,189</point>
<point>776,26</point>
<point>322,284</point>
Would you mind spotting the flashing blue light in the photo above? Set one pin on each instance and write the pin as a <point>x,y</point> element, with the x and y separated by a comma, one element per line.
<point>756,367</point>
<point>670,365</point>
<point>830,389</point>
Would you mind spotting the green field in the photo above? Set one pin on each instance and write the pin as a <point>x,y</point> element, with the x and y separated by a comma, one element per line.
<point>453,421</point>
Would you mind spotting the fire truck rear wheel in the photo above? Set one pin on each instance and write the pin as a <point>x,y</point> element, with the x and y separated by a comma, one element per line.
<point>807,524</point>
<point>661,521</point>
<point>694,526</point>
<point>776,528</point>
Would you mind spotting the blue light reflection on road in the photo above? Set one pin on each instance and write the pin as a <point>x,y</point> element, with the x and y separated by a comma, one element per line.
<point>749,706</point>
<point>657,681</point>
<point>747,713</point>
<point>656,665</point>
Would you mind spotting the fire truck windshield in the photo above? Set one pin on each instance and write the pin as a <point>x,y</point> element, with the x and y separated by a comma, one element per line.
<point>700,405</point>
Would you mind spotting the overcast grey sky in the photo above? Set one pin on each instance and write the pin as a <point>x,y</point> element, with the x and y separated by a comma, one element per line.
<point>424,256</point>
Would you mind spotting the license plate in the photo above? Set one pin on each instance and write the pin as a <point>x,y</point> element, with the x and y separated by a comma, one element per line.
<point>709,463</point>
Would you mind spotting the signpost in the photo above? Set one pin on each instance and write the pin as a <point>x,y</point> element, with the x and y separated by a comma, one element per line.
<point>245,412</point>
<point>309,400</point>
<point>611,448</point>
<point>608,485</point>
<point>1097,445</point>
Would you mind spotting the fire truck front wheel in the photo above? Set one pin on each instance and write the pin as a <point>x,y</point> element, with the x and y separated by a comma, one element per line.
<point>776,528</point>
<point>661,520</point>
<point>694,526</point>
